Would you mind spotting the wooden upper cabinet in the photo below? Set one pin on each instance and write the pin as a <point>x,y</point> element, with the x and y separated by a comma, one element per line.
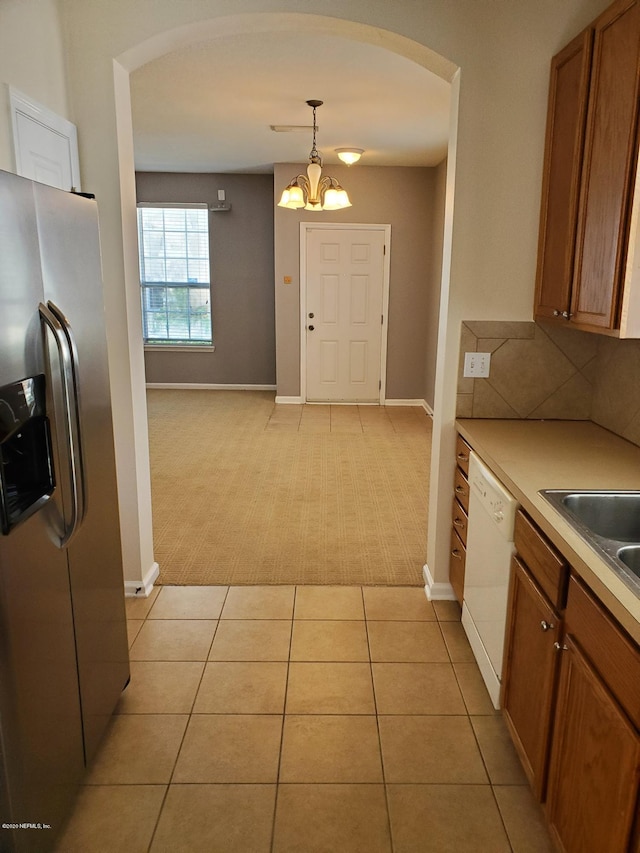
<point>568,91</point>
<point>589,176</point>
<point>609,165</point>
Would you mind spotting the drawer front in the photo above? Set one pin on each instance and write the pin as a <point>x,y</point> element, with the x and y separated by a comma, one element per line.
<point>461,489</point>
<point>460,521</point>
<point>612,652</point>
<point>462,454</point>
<point>547,566</point>
<point>457,557</point>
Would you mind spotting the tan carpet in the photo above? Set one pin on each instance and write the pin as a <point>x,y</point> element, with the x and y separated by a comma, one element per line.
<point>249,492</point>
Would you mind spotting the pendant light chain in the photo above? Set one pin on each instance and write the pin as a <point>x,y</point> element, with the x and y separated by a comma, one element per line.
<point>313,155</point>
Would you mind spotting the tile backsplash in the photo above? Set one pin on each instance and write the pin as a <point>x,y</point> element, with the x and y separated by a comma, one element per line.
<point>544,371</point>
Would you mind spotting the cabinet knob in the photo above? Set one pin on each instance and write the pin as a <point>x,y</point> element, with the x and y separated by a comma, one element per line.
<point>456,553</point>
<point>560,647</point>
<point>458,522</point>
<point>546,626</point>
<point>463,457</point>
<point>461,490</point>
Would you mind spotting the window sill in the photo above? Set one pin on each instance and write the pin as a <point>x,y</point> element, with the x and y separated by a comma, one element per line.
<point>169,348</point>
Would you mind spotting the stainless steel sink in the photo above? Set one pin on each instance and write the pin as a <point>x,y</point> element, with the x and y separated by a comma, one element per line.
<point>613,515</point>
<point>609,522</point>
<point>630,556</point>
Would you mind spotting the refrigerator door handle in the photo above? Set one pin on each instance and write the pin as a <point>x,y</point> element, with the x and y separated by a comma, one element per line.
<point>55,320</point>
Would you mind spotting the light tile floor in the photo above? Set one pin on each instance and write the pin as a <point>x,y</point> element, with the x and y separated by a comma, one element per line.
<point>303,720</point>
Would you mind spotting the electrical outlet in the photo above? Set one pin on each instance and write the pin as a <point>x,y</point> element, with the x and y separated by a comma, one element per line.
<point>477,364</point>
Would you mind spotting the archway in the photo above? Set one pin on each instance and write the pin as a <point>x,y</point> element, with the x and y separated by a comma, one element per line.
<point>218,28</point>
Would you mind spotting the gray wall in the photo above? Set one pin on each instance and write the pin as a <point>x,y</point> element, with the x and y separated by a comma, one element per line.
<point>405,198</point>
<point>242,292</point>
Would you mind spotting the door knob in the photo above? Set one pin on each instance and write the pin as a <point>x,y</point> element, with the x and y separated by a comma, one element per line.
<point>311,328</point>
<point>311,315</point>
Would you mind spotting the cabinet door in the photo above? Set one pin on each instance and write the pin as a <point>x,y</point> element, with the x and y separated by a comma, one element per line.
<point>610,156</point>
<point>595,763</point>
<point>457,558</point>
<point>531,663</point>
<point>566,117</point>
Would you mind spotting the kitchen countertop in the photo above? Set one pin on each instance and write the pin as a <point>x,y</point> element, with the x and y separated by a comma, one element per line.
<point>529,455</point>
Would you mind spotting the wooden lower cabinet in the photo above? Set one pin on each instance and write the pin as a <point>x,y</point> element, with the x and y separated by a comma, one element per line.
<point>531,663</point>
<point>592,797</point>
<point>571,701</point>
<point>457,558</point>
<point>459,519</point>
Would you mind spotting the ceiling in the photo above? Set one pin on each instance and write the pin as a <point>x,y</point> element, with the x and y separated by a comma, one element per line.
<point>209,107</point>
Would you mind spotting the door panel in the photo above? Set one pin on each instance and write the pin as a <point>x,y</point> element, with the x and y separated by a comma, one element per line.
<point>359,299</point>
<point>358,363</point>
<point>329,362</point>
<point>72,276</point>
<point>345,282</point>
<point>330,289</point>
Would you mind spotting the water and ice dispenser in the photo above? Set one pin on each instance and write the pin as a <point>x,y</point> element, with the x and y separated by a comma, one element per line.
<point>26,467</point>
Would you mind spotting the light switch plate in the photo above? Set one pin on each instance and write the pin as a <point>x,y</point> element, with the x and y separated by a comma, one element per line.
<point>477,364</point>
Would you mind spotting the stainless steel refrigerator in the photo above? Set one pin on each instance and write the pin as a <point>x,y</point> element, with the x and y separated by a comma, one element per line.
<point>63,644</point>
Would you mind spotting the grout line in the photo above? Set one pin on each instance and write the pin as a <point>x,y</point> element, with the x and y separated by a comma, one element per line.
<point>284,709</point>
<point>166,793</point>
<point>375,706</point>
<point>502,821</point>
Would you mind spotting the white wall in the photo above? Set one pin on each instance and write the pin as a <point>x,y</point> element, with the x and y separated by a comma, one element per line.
<point>32,61</point>
<point>502,47</point>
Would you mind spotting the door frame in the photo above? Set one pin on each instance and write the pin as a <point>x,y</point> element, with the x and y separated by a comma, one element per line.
<point>305,227</point>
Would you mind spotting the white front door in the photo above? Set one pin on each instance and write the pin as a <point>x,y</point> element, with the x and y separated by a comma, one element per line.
<point>344,314</point>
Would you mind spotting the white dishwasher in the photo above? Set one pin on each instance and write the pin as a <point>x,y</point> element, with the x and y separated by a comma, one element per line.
<point>492,512</point>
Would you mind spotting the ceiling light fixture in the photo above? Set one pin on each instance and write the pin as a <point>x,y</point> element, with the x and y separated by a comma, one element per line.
<point>349,155</point>
<point>314,191</point>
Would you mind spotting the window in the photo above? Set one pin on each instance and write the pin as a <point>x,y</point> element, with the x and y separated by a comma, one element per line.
<point>174,274</point>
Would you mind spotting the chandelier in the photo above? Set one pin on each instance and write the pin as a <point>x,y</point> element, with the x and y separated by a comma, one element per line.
<point>314,191</point>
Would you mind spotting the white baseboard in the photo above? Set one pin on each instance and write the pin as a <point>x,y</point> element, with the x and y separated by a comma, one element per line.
<point>436,591</point>
<point>198,386</point>
<point>298,401</point>
<point>142,589</point>
<point>422,404</point>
